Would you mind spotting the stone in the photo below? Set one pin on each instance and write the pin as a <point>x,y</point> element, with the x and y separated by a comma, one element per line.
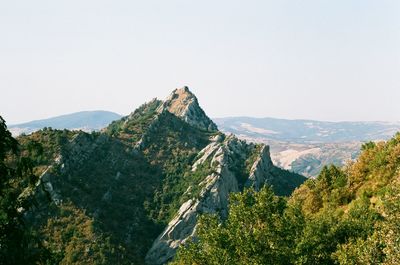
<point>214,198</point>
<point>184,104</point>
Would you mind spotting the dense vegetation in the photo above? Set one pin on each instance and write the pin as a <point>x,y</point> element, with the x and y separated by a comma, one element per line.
<point>112,198</point>
<point>345,216</point>
<point>173,150</point>
<point>116,200</point>
<point>102,185</point>
<point>70,197</point>
<point>131,128</point>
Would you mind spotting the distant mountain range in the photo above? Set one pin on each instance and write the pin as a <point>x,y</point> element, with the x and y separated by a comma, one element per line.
<point>305,146</point>
<point>84,120</point>
<point>307,131</point>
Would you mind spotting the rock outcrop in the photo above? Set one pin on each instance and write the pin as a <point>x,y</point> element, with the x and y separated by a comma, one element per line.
<point>184,104</point>
<point>43,192</point>
<point>213,198</point>
<point>260,172</point>
<point>214,194</point>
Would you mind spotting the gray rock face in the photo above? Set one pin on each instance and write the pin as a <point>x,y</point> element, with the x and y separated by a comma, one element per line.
<point>184,104</point>
<point>260,173</point>
<point>213,196</point>
<point>44,191</point>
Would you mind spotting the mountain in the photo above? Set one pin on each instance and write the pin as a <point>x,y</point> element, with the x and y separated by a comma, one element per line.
<point>83,120</point>
<point>302,146</point>
<point>305,146</point>
<point>132,193</point>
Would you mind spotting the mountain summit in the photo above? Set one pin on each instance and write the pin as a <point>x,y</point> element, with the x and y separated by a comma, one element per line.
<point>184,104</point>
<point>140,185</point>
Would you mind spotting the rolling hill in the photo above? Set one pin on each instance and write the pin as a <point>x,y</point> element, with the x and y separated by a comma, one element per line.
<point>83,120</point>
<point>305,146</point>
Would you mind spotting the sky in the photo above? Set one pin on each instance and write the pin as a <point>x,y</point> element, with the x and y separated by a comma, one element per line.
<point>298,59</point>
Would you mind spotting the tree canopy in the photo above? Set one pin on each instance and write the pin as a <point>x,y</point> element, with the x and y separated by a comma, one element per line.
<point>344,216</point>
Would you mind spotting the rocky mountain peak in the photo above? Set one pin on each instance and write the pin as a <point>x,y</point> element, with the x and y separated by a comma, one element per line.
<point>146,169</point>
<point>184,104</point>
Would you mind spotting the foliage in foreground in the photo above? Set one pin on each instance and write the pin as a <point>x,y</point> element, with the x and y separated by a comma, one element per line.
<point>18,244</point>
<point>345,216</point>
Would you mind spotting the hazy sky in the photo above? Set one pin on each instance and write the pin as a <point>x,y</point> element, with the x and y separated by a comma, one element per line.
<point>321,59</point>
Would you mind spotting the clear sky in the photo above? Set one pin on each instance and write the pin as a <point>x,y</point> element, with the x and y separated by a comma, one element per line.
<point>314,59</point>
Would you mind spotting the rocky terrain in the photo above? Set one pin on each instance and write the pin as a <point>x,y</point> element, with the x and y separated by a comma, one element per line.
<point>309,158</point>
<point>141,183</point>
<point>215,188</point>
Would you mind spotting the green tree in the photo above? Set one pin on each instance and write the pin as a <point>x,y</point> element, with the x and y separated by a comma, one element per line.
<point>382,245</point>
<point>17,243</point>
<point>257,231</point>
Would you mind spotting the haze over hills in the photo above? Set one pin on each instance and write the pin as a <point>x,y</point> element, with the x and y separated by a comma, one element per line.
<point>308,131</point>
<point>83,120</point>
<point>305,146</point>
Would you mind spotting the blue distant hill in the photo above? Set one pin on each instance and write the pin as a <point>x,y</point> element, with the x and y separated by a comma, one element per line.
<point>83,120</point>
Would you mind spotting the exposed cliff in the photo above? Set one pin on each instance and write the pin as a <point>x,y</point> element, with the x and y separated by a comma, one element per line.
<point>214,190</point>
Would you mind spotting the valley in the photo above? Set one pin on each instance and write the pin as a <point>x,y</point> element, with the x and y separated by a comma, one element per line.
<point>305,146</point>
